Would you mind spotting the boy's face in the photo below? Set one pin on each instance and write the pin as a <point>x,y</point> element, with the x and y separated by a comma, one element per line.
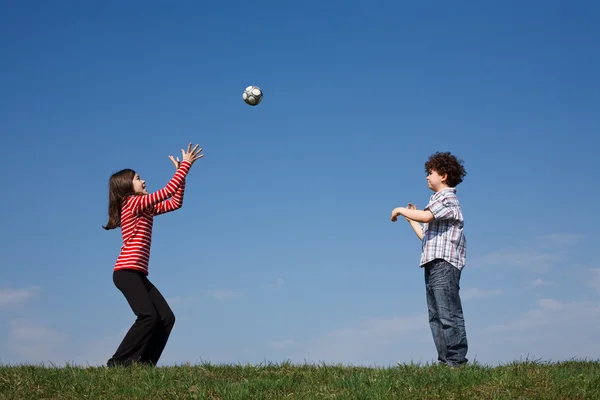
<point>435,181</point>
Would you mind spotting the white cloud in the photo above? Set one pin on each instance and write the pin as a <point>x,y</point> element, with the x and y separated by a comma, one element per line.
<point>554,330</point>
<point>12,296</point>
<point>475,293</point>
<point>559,239</point>
<point>539,254</point>
<point>396,339</point>
<point>180,300</point>
<point>222,294</point>
<point>539,283</point>
<point>594,280</point>
<point>382,326</point>
<point>537,260</point>
<point>32,343</point>
<point>29,333</point>
<point>281,344</point>
<point>96,351</point>
<point>554,313</point>
<point>278,283</point>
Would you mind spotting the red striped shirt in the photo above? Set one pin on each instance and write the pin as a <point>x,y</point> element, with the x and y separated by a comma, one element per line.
<point>137,218</point>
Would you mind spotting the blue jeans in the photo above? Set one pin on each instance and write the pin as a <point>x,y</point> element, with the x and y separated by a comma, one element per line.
<point>442,283</point>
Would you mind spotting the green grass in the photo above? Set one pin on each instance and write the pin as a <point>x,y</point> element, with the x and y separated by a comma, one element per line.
<point>519,380</point>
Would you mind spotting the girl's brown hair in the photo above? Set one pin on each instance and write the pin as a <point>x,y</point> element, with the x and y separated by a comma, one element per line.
<point>120,186</point>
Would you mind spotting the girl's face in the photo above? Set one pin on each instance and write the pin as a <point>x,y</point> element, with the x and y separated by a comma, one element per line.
<point>139,185</point>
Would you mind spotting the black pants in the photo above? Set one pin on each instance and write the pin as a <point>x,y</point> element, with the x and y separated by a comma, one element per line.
<point>147,337</point>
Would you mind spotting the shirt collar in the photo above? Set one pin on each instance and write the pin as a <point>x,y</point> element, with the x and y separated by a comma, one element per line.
<point>451,189</point>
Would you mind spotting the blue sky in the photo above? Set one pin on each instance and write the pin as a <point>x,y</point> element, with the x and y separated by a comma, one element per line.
<point>284,249</point>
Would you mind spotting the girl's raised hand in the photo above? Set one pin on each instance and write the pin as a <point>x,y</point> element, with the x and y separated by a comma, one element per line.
<point>192,155</point>
<point>175,161</point>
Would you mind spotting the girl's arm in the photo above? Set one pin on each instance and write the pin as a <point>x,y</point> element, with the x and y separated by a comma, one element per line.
<point>172,204</point>
<point>139,203</point>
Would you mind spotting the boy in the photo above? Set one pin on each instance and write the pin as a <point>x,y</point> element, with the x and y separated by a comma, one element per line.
<point>443,254</point>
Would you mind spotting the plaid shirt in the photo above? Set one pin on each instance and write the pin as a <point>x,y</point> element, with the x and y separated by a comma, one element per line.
<point>443,237</point>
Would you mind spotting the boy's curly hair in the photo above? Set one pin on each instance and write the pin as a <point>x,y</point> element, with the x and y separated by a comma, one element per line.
<point>446,163</point>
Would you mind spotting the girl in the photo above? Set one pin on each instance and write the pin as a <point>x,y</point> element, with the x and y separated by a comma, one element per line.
<point>132,209</point>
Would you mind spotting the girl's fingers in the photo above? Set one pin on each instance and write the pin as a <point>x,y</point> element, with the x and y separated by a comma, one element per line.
<point>193,153</point>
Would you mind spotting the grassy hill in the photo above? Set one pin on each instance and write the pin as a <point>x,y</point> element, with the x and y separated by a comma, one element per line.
<point>519,380</point>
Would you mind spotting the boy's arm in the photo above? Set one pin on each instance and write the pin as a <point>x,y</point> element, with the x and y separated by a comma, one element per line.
<point>444,208</point>
<point>415,215</point>
<point>417,227</point>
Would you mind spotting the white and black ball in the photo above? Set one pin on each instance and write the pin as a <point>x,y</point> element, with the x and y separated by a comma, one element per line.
<point>252,95</point>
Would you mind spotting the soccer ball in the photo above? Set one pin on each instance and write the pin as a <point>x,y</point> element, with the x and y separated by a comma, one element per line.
<point>252,95</point>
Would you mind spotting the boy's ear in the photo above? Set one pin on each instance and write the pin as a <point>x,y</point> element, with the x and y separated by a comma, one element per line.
<point>444,178</point>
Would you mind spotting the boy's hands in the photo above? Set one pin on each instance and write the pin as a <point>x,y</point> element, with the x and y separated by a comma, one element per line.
<point>395,212</point>
<point>410,207</point>
<point>192,155</point>
<point>398,211</point>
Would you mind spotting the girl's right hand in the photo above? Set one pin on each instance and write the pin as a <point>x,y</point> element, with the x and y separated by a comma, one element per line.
<point>192,155</point>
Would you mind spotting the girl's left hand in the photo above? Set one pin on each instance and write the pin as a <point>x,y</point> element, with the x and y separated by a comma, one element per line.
<point>175,161</point>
